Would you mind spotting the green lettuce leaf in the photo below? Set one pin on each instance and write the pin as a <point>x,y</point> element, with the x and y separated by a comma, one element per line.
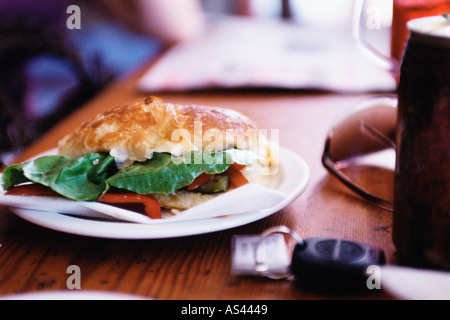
<point>90,176</point>
<point>166,174</point>
<point>12,176</point>
<point>83,178</point>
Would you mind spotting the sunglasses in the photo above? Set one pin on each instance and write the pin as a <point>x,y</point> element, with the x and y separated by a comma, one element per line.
<point>369,129</point>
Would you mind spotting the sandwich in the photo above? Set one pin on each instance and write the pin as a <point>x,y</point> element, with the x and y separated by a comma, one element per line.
<point>150,154</point>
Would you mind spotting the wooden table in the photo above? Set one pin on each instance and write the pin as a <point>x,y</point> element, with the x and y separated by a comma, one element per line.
<point>35,259</point>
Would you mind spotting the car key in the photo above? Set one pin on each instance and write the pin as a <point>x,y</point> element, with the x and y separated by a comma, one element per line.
<point>326,263</point>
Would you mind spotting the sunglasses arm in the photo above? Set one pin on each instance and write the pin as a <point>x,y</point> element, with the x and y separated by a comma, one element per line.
<point>370,130</point>
<point>331,166</point>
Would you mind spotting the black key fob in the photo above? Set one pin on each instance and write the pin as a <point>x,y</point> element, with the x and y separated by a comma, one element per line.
<point>334,265</point>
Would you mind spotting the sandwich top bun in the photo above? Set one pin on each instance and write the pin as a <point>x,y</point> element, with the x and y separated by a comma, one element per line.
<point>132,132</point>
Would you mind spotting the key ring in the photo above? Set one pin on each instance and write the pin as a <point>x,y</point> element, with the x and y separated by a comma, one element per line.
<point>262,268</point>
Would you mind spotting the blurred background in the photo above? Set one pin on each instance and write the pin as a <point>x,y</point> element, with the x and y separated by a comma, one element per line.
<point>52,60</point>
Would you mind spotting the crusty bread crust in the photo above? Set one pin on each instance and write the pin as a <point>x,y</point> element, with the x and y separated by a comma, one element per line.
<point>132,132</point>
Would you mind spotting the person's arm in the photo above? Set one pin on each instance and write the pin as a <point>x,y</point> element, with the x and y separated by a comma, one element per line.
<point>171,21</point>
<point>241,7</point>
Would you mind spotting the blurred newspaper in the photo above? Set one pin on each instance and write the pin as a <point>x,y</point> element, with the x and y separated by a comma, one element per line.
<point>252,53</point>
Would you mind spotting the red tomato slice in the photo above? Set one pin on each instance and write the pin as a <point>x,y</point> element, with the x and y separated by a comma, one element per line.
<point>152,208</point>
<point>200,180</point>
<point>31,190</point>
<point>237,178</point>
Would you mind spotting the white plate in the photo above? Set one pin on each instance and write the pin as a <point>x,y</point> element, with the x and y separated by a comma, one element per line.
<point>72,295</point>
<point>291,180</point>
